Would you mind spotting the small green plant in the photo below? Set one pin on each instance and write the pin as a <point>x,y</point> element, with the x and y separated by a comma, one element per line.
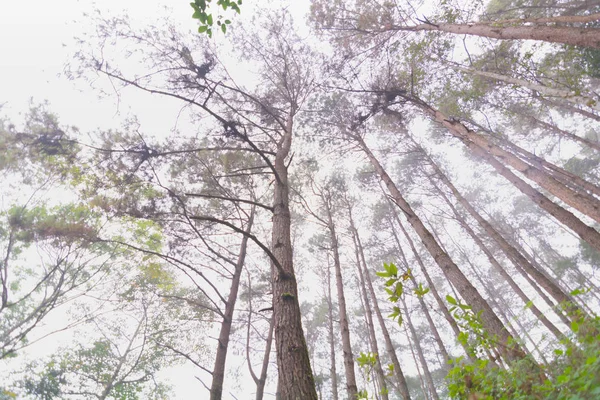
<point>394,287</point>
<point>572,374</point>
<point>206,19</point>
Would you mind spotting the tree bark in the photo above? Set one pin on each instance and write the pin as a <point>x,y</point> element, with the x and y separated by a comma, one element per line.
<point>434,331</point>
<point>348,357</point>
<point>469,293</point>
<point>295,378</point>
<point>218,375</point>
<point>402,385</point>
<point>569,96</point>
<point>585,203</point>
<point>585,37</point>
<point>333,369</point>
<point>500,269</point>
<point>371,326</point>
<point>432,287</point>
<point>417,344</point>
<point>564,216</point>
<point>511,252</point>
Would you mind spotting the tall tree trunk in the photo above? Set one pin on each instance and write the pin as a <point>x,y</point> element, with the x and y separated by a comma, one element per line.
<point>549,127</point>
<point>218,375</point>
<point>417,344</point>
<point>348,357</point>
<point>564,177</point>
<point>401,380</point>
<point>333,369</point>
<point>468,292</point>
<point>564,216</point>
<point>436,295</point>
<point>570,108</point>
<point>499,268</point>
<point>295,378</point>
<point>434,331</point>
<point>571,97</point>
<point>586,37</point>
<point>261,382</point>
<point>416,361</point>
<point>511,252</point>
<point>583,202</point>
<point>371,326</point>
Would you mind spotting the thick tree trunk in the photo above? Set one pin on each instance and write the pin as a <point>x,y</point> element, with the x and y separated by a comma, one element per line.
<point>468,292</point>
<point>295,378</point>
<point>511,252</point>
<point>401,380</point>
<point>218,375</point>
<point>333,369</point>
<point>419,349</point>
<point>348,357</point>
<point>565,177</point>
<point>585,37</point>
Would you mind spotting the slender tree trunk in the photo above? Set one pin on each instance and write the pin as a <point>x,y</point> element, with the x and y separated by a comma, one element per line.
<point>416,361</point>
<point>585,37</point>
<point>419,350</point>
<point>570,108</point>
<point>436,295</point>
<point>564,216</point>
<point>569,96</point>
<point>434,331</point>
<point>369,314</point>
<point>295,378</point>
<point>112,380</point>
<point>333,369</point>
<point>218,375</point>
<point>260,384</point>
<point>583,202</point>
<point>468,292</point>
<point>499,268</point>
<point>348,357</point>
<point>512,253</point>
<point>565,177</point>
<point>401,380</point>
<point>374,345</point>
<point>552,128</point>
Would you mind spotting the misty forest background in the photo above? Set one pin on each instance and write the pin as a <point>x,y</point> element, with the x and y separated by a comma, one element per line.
<point>369,199</point>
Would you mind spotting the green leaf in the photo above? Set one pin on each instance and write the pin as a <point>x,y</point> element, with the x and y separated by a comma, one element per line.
<point>224,28</point>
<point>451,300</point>
<point>575,326</point>
<point>399,289</point>
<point>558,352</point>
<point>382,274</point>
